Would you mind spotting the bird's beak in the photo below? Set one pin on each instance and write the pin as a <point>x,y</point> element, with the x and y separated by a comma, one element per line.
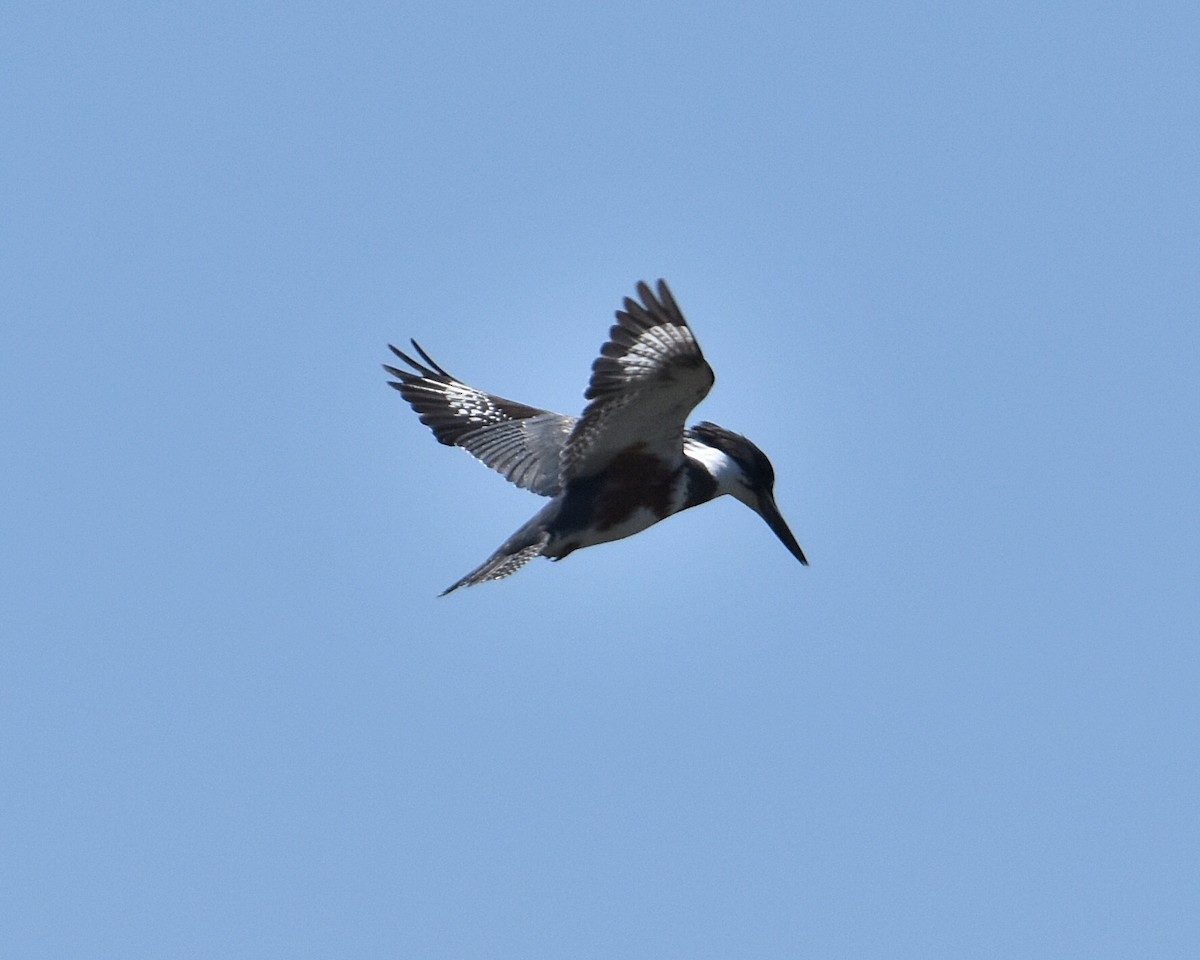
<point>769,512</point>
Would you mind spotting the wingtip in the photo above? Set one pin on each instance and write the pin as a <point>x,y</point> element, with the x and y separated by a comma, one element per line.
<point>654,303</point>
<point>666,298</point>
<point>400,375</point>
<point>428,359</point>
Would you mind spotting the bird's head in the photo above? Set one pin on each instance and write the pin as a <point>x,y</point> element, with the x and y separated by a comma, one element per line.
<point>743,471</point>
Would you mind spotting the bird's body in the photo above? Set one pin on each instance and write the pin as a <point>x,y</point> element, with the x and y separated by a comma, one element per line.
<point>624,464</point>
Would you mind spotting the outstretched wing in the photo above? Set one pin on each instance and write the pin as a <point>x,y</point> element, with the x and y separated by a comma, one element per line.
<point>522,443</point>
<point>649,376</point>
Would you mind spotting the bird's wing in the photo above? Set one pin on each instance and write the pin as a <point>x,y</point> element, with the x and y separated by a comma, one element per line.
<point>649,376</point>
<point>522,443</point>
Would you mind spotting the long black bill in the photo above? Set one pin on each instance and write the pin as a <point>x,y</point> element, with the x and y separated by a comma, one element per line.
<point>770,513</point>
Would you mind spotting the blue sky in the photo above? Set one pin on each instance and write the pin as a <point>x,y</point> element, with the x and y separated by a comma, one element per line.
<point>943,258</point>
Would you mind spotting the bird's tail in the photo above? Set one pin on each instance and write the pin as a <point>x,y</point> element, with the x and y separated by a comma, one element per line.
<point>506,561</point>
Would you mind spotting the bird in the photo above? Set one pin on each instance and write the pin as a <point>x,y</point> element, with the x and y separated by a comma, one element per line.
<point>626,462</point>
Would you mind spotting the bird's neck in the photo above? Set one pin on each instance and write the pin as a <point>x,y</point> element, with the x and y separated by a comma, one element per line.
<point>710,473</point>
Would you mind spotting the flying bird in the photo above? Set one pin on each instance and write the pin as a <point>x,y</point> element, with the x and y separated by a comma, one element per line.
<point>626,462</point>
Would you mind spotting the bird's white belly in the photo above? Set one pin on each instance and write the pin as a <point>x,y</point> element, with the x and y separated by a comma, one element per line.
<point>637,521</point>
<point>604,529</point>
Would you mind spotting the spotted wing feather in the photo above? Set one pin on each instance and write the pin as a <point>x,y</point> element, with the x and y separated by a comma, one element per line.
<point>501,564</point>
<point>524,444</point>
<point>648,377</point>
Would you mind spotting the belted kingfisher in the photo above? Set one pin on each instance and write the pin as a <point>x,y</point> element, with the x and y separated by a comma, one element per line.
<point>624,464</point>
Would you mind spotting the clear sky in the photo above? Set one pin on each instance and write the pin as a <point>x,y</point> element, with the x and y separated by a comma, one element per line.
<point>945,260</point>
